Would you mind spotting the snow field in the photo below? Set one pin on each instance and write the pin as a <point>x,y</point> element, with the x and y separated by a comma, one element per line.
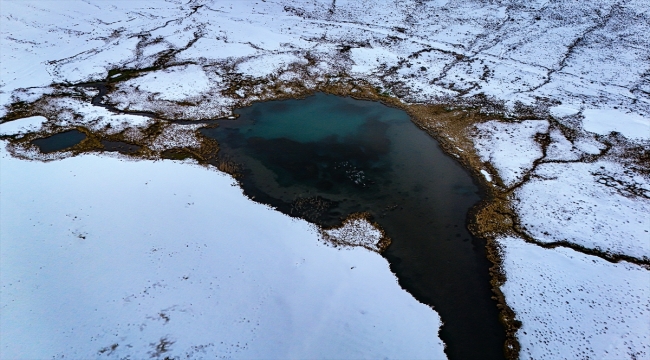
<point>101,257</point>
<point>94,117</point>
<point>579,54</point>
<point>576,306</point>
<point>44,42</point>
<point>572,202</point>
<point>562,111</point>
<point>604,121</point>
<point>561,148</point>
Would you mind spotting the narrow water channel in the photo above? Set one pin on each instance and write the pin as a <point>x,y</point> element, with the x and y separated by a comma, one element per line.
<point>325,157</point>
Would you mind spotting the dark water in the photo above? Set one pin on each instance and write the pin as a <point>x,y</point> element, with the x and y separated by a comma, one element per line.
<point>59,141</point>
<point>325,157</point>
<point>120,146</point>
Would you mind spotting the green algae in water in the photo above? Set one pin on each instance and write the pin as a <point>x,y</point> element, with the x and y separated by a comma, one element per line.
<point>325,157</point>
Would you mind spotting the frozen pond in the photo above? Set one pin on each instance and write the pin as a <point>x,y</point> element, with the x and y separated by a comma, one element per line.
<point>325,157</point>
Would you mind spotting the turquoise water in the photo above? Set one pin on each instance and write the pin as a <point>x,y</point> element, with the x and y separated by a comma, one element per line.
<point>313,123</point>
<point>325,157</point>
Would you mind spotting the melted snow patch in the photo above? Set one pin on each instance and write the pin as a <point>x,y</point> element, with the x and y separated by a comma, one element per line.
<point>510,147</point>
<point>576,306</point>
<point>22,126</point>
<point>604,121</point>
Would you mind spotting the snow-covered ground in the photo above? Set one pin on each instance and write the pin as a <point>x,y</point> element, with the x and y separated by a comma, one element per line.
<point>22,126</point>
<point>588,204</point>
<point>510,148</point>
<point>576,306</point>
<point>104,257</point>
<point>574,194</point>
<point>356,232</point>
<point>605,121</point>
<point>575,173</point>
<point>588,56</point>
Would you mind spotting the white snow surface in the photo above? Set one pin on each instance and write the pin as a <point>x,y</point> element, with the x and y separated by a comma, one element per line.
<point>562,111</point>
<point>589,204</point>
<point>356,232</point>
<point>97,251</point>
<point>367,60</point>
<point>510,147</point>
<point>487,175</point>
<point>561,148</point>
<point>591,55</point>
<point>177,83</point>
<point>576,306</point>
<point>604,121</point>
<point>21,126</point>
<point>264,65</point>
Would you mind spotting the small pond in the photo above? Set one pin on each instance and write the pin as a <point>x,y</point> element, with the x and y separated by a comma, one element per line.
<point>325,157</point>
<point>60,141</point>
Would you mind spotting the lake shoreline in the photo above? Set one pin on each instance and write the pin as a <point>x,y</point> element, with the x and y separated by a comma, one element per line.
<point>424,116</point>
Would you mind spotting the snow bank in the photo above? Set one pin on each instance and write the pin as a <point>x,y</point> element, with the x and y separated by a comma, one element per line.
<point>604,121</point>
<point>576,306</point>
<point>510,147</point>
<point>105,257</point>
